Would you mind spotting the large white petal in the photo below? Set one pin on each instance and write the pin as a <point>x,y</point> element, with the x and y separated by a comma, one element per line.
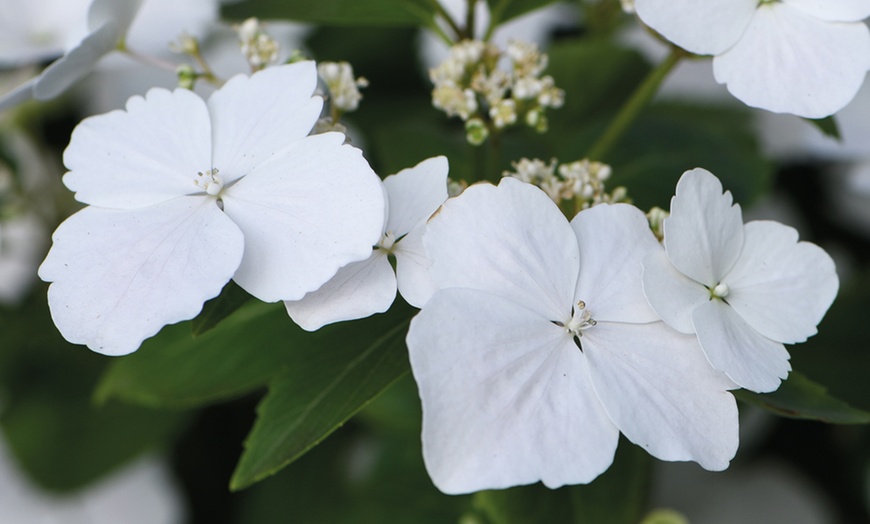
<point>76,63</point>
<point>780,286</point>
<point>791,62</point>
<point>506,396</point>
<point>119,276</point>
<point>145,155</point>
<point>415,193</point>
<point>511,241</point>
<point>671,294</point>
<point>315,207</point>
<point>833,10</point>
<point>732,346</point>
<point>413,268</point>
<point>662,393</point>
<point>358,290</point>
<point>706,27</point>
<point>255,117</point>
<point>704,234</point>
<point>613,241</point>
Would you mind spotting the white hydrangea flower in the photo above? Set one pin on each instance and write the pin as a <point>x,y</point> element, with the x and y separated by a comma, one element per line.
<point>539,347</point>
<point>745,290</point>
<point>108,22</point>
<point>186,194</point>
<point>367,287</point>
<point>805,57</point>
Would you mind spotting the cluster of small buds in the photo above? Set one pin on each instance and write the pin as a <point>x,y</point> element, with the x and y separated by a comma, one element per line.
<point>469,84</point>
<point>656,217</point>
<point>259,48</point>
<point>581,181</point>
<point>343,88</point>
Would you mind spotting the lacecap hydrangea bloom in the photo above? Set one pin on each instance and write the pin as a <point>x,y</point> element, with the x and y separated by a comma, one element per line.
<point>185,194</point>
<point>805,57</point>
<point>745,290</point>
<point>538,348</point>
<point>364,288</point>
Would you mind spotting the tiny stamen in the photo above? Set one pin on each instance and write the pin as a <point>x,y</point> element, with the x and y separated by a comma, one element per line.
<point>210,181</point>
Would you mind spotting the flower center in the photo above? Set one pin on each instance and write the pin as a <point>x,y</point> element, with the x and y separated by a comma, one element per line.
<point>387,242</point>
<point>209,181</point>
<point>720,291</point>
<point>581,320</point>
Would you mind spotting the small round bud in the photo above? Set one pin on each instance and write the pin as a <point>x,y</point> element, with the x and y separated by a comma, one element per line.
<point>476,131</point>
<point>186,76</point>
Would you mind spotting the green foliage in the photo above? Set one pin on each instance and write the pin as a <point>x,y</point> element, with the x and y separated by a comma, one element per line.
<point>505,10</point>
<point>839,356</point>
<point>827,125</point>
<point>669,139</point>
<point>50,424</point>
<point>800,397</point>
<point>231,298</point>
<point>176,370</point>
<point>379,13</point>
<point>618,496</point>
<point>334,376</point>
<point>369,470</point>
<point>63,442</point>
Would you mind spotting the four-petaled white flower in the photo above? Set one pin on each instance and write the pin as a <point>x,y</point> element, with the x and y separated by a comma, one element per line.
<point>186,194</point>
<point>745,290</point>
<point>539,347</point>
<point>108,22</point>
<point>806,57</point>
<point>364,288</point>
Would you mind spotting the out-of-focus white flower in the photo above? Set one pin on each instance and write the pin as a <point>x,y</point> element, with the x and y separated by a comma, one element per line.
<point>107,23</point>
<point>185,195</point>
<point>343,88</point>
<point>23,240</point>
<point>803,57</point>
<point>767,492</point>
<point>532,27</point>
<point>258,46</point>
<point>34,31</point>
<point>539,347</point>
<point>367,287</point>
<point>745,290</point>
<point>142,493</point>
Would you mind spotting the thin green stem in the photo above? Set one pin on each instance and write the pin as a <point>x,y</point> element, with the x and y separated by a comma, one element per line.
<point>148,59</point>
<point>495,19</point>
<point>632,108</point>
<point>469,18</point>
<point>440,11</point>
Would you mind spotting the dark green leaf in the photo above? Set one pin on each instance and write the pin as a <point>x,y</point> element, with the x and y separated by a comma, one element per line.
<point>504,10</point>
<point>525,505</point>
<point>669,139</point>
<point>800,397</point>
<point>827,125</point>
<point>215,310</point>
<point>336,12</point>
<point>618,496</point>
<point>597,76</point>
<point>839,356</point>
<point>64,442</point>
<point>329,377</point>
<point>176,370</point>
